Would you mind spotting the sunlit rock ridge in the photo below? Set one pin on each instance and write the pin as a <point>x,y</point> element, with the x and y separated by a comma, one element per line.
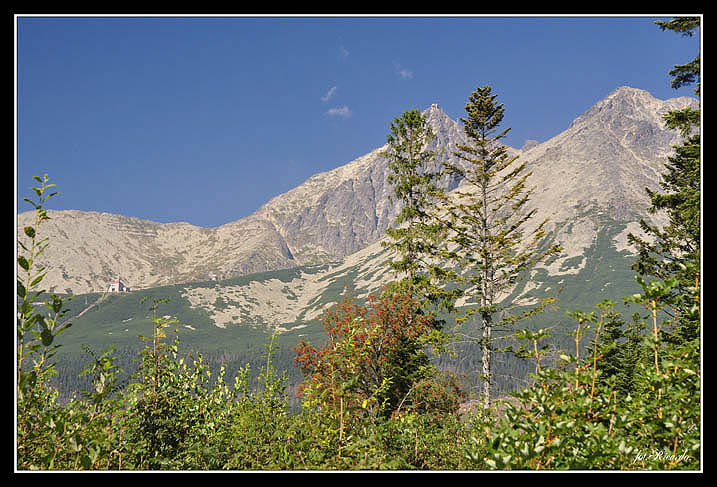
<point>600,165</point>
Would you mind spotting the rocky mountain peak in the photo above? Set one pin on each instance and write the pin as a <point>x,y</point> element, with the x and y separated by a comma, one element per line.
<point>608,155</point>
<point>445,128</point>
<point>628,92</point>
<point>435,114</point>
<point>625,105</point>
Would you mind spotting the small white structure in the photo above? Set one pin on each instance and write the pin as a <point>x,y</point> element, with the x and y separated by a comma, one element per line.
<point>117,286</point>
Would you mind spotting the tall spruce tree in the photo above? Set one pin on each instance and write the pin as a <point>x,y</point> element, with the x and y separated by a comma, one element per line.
<point>490,244</point>
<point>673,251</point>
<point>416,234</point>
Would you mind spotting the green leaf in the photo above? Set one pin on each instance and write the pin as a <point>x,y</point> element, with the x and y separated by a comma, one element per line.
<point>56,304</point>
<point>29,231</point>
<point>23,263</point>
<point>622,448</point>
<point>37,280</point>
<point>47,337</point>
<point>26,309</point>
<point>74,445</point>
<point>93,455</point>
<point>100,384</point>
<point>39,319</point>
<point>525,450</point>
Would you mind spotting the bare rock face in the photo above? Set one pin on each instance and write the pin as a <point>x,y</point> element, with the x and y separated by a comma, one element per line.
<point>339,212</point>
<point>335,213</point>
<point>89,249</point>
<point>604,160</point>
<point>607,157</point>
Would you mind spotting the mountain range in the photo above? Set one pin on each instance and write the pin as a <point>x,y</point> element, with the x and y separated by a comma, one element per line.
<point>604,160</point>
<point>279,268</point>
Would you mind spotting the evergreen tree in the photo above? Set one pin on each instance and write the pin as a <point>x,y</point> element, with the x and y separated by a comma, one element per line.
<point>630,354</point>
<point>415,235</point>
<point>490,243</point>
<point>610,347</point>
<point>673,251</point>
<point>684,74</point>
<point>619,349</point>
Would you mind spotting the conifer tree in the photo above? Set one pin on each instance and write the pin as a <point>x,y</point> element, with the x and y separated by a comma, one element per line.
<point>415,235</point>
<point>491,245</point>
<point>673,251</point>
<point>684,74</point>
<point>619,350</point>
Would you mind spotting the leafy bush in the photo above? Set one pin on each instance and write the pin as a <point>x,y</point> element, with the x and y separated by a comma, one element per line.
<point>573,419</point>
<point>373,361</point>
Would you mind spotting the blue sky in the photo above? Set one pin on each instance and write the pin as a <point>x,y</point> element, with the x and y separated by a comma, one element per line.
<point>203,119</point>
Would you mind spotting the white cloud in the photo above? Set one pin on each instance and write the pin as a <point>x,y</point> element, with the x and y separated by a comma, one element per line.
<point>343,51</point>
<point>343,112</point>
<point>403,72</point>
<point>329,95</point>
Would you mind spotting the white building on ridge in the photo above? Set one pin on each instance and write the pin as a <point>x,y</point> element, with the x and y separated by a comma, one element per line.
<point>117,286</point>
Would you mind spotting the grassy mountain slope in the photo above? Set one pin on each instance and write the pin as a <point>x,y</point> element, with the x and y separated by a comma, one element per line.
<point>235,319</point>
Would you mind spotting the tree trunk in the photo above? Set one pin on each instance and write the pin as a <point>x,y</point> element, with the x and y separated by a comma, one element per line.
<point>486,352</point>
<point>486,290</point>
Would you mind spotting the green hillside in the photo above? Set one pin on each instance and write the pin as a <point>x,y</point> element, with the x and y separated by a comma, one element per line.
<point>119,319</point>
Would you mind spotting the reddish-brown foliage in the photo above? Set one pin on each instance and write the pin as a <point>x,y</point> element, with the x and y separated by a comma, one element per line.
<point>367,346</point>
